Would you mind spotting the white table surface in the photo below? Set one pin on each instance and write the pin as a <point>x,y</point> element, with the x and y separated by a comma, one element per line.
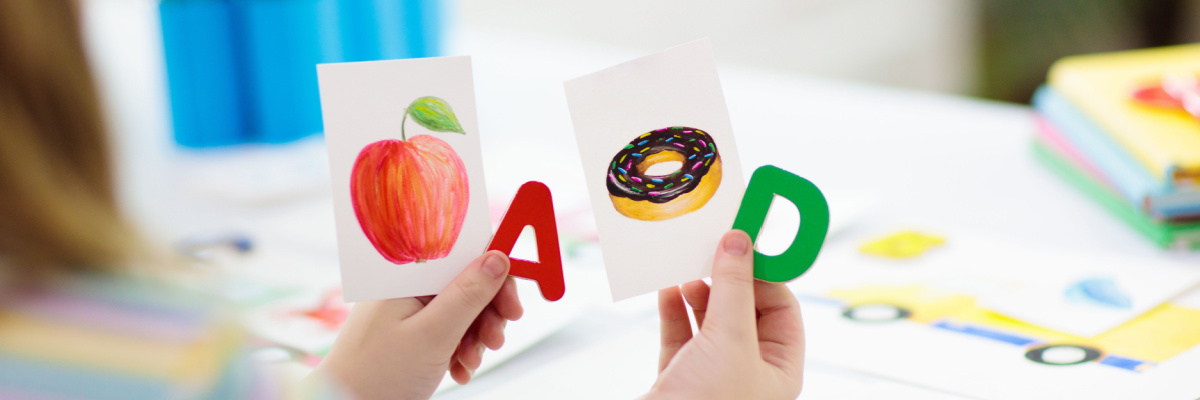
<point>918,159</point>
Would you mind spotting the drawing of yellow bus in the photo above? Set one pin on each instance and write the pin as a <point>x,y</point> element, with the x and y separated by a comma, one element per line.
<point>1156,336</point>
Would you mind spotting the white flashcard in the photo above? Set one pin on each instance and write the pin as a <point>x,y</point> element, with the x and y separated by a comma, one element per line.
<point>661,166</point>
<point>409,197</point>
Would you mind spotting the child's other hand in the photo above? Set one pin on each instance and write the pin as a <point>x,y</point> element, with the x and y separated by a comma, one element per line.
<point>750,344</point>
<point>401,348</point>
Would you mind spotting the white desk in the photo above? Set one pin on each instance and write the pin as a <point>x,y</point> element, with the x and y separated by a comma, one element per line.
<point>926,160</point>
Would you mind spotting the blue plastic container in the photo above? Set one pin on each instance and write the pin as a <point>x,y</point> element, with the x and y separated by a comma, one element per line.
<point>245,70</point>
<point>373,33</point>
<point>203,73</point>
<point>424,18</point>
<point>284,41</point>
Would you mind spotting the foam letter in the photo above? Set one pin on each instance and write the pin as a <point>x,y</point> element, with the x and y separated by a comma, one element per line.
<point>767,182</point>
<point>532,206</point>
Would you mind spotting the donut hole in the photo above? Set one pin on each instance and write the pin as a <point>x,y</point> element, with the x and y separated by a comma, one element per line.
<point>661,163</point>
<point>779,229</point>
<point>663,168</point>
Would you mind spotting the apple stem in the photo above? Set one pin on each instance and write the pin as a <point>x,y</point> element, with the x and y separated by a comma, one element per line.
<point>402,121</point>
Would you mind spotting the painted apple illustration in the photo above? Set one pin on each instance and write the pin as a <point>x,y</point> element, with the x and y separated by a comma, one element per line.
<point>410,195</point>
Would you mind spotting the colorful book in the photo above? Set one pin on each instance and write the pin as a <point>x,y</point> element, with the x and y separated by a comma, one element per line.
<point>1129,178</point>
<point>1048,135</point>
<point>1184,236</point>
<point>1165,141</point>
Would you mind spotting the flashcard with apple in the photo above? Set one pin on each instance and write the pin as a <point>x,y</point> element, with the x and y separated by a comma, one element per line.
<point>409,198</point>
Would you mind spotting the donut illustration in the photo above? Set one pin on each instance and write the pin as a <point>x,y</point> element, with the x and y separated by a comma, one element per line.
<point>661,197</point>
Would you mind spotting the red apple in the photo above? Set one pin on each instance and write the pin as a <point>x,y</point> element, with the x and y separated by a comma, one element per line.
<point>410,197</point>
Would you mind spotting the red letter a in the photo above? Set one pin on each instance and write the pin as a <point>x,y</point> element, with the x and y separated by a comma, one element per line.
<point>532,206</point>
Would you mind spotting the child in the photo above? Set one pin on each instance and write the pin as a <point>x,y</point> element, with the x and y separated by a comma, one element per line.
<point>87,310</point>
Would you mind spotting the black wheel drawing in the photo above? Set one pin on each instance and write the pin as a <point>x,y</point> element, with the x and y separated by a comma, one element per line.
<point>1080,355</point>
<point>876,312</point>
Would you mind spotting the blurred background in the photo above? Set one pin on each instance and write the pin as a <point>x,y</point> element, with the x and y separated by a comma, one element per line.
<point>240,70</point>
<point>997,49</point>
<point>185,74</point>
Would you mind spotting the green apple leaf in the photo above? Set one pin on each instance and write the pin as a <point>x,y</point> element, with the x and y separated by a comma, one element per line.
<point>434,114</point>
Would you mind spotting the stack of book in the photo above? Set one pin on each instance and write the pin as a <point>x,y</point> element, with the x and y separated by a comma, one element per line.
<point>1124,129</point>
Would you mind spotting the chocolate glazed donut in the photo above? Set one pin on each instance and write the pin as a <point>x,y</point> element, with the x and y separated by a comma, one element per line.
<point>659,197</point>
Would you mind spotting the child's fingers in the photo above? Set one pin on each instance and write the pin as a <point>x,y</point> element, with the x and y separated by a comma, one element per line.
<point>676,330</point>
<point>470,351</point>
<point>696,294</point>
<point>460,374</point>
<point>451,312</point>
<point>731,303</point>
<point>507,303</point>
<point>491,328</point>
<point>780,329</point>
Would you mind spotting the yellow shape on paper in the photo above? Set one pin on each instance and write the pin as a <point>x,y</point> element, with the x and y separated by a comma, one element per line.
<point>905,244</point>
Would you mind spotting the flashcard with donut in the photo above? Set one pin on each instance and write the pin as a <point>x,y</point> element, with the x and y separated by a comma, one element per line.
<point>409,198</point>
<point>660,164</point>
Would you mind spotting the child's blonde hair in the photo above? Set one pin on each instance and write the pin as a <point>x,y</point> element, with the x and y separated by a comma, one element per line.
<point>57,205</point>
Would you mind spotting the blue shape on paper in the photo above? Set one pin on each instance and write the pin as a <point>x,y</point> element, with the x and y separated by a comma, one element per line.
<point>1124,363</point>
<point>984,332</point>
<point>1099,292</point>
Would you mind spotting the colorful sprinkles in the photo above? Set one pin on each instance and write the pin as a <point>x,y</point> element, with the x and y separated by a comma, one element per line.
<point>625,180</point>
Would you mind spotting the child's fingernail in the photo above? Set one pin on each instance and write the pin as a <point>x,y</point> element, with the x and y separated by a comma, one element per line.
<point>736,244</point>
<point>493,265</point>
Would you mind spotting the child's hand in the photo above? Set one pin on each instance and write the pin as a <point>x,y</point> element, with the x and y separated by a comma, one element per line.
<point>751,339</point>
<point>401,348</point>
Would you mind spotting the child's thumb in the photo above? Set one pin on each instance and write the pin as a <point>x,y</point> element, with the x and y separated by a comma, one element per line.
<point>453,310</point>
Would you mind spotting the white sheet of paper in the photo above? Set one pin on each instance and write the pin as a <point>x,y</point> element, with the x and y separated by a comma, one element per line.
<point>365,102</point>
<point>1087,295</point>
<point>677,87</point>
<point>977,364</point>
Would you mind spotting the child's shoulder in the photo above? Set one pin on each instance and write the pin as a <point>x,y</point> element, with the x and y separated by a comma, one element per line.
<point>136,335</point>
